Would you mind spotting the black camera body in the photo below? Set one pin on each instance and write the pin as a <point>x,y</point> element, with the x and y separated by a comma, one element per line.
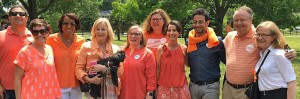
<point>112,62</point>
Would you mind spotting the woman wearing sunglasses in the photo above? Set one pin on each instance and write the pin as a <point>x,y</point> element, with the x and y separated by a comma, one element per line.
<point>66,45</point>
<point>35,74</point>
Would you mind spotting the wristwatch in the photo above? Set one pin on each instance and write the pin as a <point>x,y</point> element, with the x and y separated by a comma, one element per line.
<point>150,93</point>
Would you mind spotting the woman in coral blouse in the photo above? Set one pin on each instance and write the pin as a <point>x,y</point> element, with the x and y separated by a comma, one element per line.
<point>138,75</point>
<point>170,66</point>
<point>35,74</point>
<point>66,45</point>
<point>98,48</point>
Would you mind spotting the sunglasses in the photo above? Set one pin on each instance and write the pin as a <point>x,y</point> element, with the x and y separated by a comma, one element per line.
<point>16,13</point>
<point>67,24</point>
<point>36,32</point>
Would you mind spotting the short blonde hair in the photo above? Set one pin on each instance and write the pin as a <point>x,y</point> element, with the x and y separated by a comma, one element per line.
<point>143,41</point>
<point>279,40</point>
<point>110,36</point>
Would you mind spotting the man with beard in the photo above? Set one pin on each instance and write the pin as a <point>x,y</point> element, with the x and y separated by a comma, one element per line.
<point>205,51</point>
<point>11,41</point>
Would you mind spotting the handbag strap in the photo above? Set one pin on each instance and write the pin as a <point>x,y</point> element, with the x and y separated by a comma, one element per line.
<point>262,62</point>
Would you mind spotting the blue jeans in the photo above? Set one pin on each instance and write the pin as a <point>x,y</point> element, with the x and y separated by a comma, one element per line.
<point>9,94</point>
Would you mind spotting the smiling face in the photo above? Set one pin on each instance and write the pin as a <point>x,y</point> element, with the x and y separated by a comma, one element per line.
<point>135,37</point>
<point>264,37</point>
<point>17,18</point>
<point>101,31</point>
<point>157,21</point>
<point>68,25</point>
<point>242,22</point>
<point>199,24</point>
<point>39,34</point>
<point>172,33</point>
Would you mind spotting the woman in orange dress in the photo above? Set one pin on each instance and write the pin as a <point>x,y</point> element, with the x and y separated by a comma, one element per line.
<point>35,74</point>
<point>172,83</point>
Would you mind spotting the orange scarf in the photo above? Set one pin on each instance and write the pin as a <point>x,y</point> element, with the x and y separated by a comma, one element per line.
<point>210,35</point>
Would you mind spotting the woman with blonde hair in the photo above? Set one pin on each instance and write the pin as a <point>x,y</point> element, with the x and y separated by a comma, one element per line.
<point>138,70</point>
<point>98,48</point>
<point>276,76</point>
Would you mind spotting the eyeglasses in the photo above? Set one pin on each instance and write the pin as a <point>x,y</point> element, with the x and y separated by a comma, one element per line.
<point>262,35</point>
<point>36,32</point>
<point>67,24</point>
<point>156,19</point>
<point>16,13</point>
<point>135,34</point>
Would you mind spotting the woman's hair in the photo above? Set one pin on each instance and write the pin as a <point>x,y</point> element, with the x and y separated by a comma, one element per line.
<point>177,25</point>
<point>143,40</point>
<point>279,40</point>
<point>38,22</point>
<point>166,19</point>
<point>71,16</point>
<point>110,36</point>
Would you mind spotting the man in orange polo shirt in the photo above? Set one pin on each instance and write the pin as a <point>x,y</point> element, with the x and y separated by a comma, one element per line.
<point>11,41</point>
<point>242,55</point>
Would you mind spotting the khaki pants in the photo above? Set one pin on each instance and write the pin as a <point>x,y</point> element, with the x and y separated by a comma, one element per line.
<point>231,93</point>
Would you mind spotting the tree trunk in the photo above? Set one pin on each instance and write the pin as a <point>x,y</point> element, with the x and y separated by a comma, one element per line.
<point>32,9</point>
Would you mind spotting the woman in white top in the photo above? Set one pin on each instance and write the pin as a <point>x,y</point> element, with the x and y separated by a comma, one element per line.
<point>276,79</point>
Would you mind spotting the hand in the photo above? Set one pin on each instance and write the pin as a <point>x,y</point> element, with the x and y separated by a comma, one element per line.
<point>99,68</point>
<point>1,92</point>
<point>95,80</point>
<point>291,55</point>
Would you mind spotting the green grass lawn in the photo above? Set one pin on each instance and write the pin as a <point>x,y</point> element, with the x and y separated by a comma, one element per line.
<point>292,40</point>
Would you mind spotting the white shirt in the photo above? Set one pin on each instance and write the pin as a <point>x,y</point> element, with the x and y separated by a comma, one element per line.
<point>276,71</point>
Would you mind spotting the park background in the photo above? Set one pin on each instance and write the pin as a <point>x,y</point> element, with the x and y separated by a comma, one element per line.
<point>124,13</point>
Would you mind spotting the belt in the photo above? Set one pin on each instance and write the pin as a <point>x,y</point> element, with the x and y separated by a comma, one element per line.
<point>204,82</point>
<point>275,91</point>
<point>236,86</point>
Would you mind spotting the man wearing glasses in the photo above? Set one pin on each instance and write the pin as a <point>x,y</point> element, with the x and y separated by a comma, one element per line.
<point>242,54</point>
<point>11,41</point>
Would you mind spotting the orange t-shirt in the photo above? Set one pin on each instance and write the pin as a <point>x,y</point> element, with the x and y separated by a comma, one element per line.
<point>65,59</point>
<point>154,40</point>
<point>40,79</point>
<point>10,45</point>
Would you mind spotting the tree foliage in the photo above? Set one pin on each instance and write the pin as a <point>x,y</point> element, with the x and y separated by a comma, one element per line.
<point>282,12</point>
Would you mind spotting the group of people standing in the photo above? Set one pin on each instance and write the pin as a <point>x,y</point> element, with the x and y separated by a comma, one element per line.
<point>35,64</point>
